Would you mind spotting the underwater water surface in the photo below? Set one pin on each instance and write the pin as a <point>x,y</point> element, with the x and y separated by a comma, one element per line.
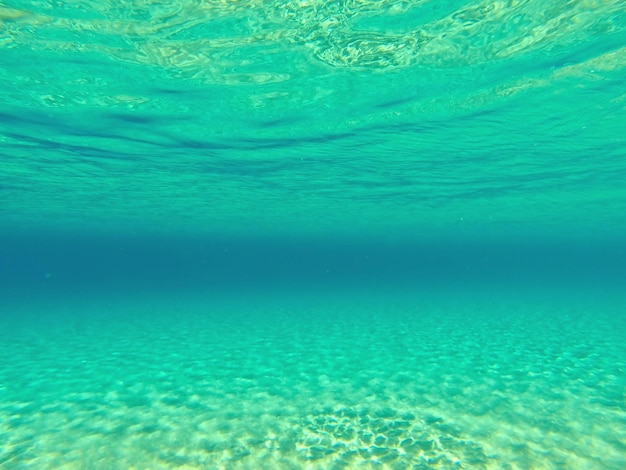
<point>313,234</point>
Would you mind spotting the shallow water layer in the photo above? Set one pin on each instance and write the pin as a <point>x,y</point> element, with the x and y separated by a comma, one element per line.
<point>312,234</point>
<point>313,116</point>
<point>346,382</point>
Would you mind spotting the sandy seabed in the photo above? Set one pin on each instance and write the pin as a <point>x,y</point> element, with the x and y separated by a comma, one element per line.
<point>342,385</point>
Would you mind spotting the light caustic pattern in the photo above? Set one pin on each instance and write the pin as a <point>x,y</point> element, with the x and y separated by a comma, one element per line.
<point>518,387</point>
<point>307,113</point>
<point>207,40</point>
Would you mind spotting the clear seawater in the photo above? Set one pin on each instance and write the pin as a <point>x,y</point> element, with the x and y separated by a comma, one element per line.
<point>313,234</point>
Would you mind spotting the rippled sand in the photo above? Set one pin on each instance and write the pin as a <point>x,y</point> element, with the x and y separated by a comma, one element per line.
<point>338,385</point>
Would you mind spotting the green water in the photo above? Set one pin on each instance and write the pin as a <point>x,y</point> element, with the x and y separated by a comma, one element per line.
<point>313,116</point>
<point>395,383</point>
<point>312,234</point>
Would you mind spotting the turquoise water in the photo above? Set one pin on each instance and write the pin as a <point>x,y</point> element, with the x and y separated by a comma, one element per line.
<point>316,383</point>
<point>312,234</point>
